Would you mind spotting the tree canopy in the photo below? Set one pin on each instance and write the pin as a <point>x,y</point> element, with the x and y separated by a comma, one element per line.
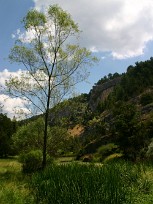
<point>7,128</point>
<point>53,63</point>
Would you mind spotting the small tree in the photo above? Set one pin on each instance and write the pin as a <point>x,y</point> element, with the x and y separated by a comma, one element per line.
<point>128,129</point>
<point>6,131</point>
<point>29,137</point>
<point>53,65</point>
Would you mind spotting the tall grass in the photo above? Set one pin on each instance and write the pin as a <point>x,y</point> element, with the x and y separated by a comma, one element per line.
<point>82,184</point>
<point>77,183</point>
<point>13,185</point>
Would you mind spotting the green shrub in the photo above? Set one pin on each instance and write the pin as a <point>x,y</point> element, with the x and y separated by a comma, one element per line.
<point>149,153</point>
<point>87,158</point>
<point>31,161</point>
<point>146,99</point>
<point>113,157</point>
<point>107,150</point>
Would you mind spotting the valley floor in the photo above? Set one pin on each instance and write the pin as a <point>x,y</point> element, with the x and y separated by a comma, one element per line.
<point>72,182</point>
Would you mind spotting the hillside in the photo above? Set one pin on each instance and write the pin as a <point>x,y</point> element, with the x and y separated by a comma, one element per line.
<point>122,108</point>
<point>114,119</point>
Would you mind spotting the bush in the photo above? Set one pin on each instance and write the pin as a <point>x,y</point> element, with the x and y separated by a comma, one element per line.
<point>107,149</point>
<point>113,157</point>
<point>149,153</point>
<point>146,99</point>
<point>31,161</point>
<point>87,158</point>
<point>104,151</point>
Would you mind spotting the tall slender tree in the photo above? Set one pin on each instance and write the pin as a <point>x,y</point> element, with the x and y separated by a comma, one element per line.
<point>53,64</point>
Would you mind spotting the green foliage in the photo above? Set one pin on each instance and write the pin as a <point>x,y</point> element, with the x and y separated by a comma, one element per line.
<point>114,121</point>
<point>13,184</point>
<point>95,128</point>
<point>31,161</point>
<point>115,157</point>
<point>59,141</point>
<point>87,158</point>
<point>149,153</point>
<point>128,130</point>
<point>146,98</point>
<point>106,152</point>
<point>101,106</point>
<point>70,112</point>
<point>107,149</point>
<point>148,126</point>
<point>113,182</point>
<point>107,78</point>
<point>64,20</point>
<point>29,136</point>
<point>135,80</point>
<point>34,19</point>
<point>119,94</point>
<point>48,55</point>
<point>76,183</point>
<point>7,128</point>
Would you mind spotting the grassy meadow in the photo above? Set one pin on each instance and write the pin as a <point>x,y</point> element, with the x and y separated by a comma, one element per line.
<point>13,184</point>
<point>77,183</point>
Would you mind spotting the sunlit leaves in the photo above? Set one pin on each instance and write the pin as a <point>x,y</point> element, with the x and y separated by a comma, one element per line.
<point>34,19</point>
<point>22,54</point>
<point>53,65</point>
<point>62,19</point>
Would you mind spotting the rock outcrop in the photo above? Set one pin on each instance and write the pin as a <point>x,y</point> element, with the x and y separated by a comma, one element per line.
<point>99,93</point>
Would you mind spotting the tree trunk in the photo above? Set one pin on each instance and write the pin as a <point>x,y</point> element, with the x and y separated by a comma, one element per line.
<point>46,126</point>
<point>45,141</point>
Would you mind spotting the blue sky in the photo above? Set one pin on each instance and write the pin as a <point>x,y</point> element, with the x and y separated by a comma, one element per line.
<point>11,14</point>
<point>119,32</point>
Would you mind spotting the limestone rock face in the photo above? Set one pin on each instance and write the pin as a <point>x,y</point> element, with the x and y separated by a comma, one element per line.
<point>99,93</point>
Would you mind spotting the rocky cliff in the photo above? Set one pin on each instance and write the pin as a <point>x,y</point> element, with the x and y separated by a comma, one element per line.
<point>99,93</point>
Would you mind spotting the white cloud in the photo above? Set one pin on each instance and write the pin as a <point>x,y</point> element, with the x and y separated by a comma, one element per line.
<point>11,106</point>
<point>25,37</point>
<point>19,106</point>
<point>5,75</point>
<point>120,27</point>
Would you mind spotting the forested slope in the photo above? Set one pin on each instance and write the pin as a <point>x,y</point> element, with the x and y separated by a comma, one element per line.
<point>115,118</point>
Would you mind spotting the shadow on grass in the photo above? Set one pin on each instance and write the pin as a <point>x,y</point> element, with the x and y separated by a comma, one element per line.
<point>13,183</point>
<point>10,169</point>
